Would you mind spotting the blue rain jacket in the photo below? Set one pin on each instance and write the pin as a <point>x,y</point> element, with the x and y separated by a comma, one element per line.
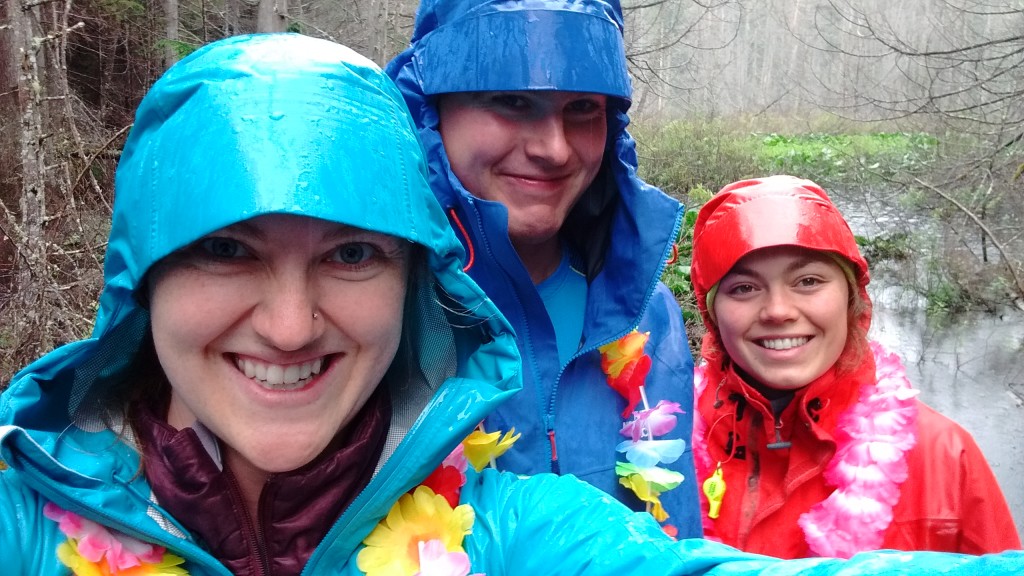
<point>624,227</point>
<point>287,124</point>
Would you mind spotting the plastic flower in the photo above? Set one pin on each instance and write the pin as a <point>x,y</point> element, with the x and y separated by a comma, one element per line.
<point>393,547</point>
<point>94,550</point>
<point>482,448</point>
<point>447,480</point>
<point>435,560</point>
<point>647,493</point>
<point>626,366</point>
<point>660,479</point>
<point>652,422</point>
<point>649,453</point>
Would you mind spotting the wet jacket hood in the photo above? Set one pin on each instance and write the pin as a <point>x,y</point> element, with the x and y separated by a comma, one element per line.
<point>576,58</point>
<point>765,212</point>
<point>254,125</point>
<point>473,45</point>
<point>245,127</point>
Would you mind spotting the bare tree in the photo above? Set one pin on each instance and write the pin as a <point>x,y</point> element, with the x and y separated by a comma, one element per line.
<point>957,70</point>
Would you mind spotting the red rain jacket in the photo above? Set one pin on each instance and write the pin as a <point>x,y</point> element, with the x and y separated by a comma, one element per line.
<point>950,501</point>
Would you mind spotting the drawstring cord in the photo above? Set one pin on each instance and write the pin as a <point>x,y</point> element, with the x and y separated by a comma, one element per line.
<point>465,235</point>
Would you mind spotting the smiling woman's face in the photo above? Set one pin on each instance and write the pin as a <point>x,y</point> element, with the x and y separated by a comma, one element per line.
<point>534,151</point>
<point>275,331</point>
<point>782,315</point>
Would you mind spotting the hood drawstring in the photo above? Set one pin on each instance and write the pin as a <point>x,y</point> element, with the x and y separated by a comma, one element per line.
<point>465,235</point>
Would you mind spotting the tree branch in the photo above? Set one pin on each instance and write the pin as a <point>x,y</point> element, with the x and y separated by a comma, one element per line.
<point>995,241</point>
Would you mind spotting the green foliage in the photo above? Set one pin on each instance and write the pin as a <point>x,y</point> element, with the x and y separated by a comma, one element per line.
<point>181,49</point>
<point>686,155</point>
<point>677,273</point>
<point>945,298</point>
<point>827,158</point>
<point>888,246</point>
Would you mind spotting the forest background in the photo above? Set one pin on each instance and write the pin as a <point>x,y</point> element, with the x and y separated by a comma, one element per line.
<point>916,107</point>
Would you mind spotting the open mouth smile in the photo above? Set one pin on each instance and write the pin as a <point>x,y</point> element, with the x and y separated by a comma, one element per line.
<point>280,376</point>
<point>782,343</point>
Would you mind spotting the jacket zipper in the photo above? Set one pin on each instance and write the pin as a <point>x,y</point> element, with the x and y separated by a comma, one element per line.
<point>253,529</point>
<point>549,416</point>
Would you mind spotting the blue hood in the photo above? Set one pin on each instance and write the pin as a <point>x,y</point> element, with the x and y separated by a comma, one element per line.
<point>570,45</point>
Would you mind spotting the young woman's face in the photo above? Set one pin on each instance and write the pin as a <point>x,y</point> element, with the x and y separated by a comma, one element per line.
<point>782,315</point>
<point>533,151</point>
<point>273,332</point>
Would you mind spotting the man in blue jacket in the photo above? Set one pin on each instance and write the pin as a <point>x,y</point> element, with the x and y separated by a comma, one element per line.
<point>521,106</point>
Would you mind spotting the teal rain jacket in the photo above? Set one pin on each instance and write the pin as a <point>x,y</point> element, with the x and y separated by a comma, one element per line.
<point>287,124</point>
<point>569,418</point>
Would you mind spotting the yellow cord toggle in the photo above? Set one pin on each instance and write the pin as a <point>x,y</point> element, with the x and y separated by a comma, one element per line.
<point>714,489</point>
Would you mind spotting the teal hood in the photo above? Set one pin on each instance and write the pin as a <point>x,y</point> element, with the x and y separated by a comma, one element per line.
<point>247,126</point>
<point>244,127</point>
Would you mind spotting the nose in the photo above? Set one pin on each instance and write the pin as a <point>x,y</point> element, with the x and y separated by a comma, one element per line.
<point>287,315</point>
<point>546,139</point>
<point>778,307</point>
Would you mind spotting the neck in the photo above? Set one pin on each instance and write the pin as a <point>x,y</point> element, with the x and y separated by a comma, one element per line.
<point>540,260</point>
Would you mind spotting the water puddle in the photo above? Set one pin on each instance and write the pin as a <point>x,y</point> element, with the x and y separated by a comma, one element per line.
<point>969,367</point>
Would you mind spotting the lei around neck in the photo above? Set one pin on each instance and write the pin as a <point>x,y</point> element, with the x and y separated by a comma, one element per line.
<point>873,437</point>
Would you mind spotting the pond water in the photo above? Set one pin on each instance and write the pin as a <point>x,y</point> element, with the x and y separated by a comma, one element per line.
<point>969,367</point>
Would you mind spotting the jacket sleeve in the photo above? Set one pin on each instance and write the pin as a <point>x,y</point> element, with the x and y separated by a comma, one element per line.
<point>548,524</point>
<point>986,522</point>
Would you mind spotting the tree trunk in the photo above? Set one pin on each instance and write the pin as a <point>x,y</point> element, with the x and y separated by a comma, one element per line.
<point>171,32</point>
<point>31,263</point>
<point>272,16</point>
<point>231,17</point>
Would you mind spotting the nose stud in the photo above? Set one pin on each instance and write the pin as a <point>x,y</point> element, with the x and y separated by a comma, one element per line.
<point>315,315</point>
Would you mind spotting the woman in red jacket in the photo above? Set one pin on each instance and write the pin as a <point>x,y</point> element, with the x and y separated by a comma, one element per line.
<point>808,438</point>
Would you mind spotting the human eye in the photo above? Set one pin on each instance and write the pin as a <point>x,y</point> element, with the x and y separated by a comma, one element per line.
<point>741,289</point>
<point>738,288</point>
<point>588,107</point>
<point>509,101</point>
<point>355,254</point>
<point>221,247</point>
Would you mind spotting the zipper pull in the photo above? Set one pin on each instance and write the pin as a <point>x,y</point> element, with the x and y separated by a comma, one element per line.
<point>554,452</point>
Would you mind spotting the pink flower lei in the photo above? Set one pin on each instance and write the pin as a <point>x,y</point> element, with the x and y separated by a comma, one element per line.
<point>873,437</point>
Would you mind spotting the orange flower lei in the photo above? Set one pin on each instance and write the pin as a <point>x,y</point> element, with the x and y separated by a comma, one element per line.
<point>626,366</point>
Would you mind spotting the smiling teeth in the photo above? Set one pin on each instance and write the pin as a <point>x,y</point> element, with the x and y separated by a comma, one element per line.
<point>784,343</point>
<point>277,376</point>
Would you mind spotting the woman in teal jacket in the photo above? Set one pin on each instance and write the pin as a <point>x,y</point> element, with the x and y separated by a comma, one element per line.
<point>548,90</point>
<point>285,316</point>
